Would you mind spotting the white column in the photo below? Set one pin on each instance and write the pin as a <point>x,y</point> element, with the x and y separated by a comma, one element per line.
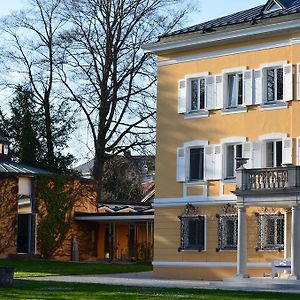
<point>242,244</point>
<point>295,243</point>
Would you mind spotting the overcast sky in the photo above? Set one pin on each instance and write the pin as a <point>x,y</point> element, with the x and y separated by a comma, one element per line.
<point>209,9</point>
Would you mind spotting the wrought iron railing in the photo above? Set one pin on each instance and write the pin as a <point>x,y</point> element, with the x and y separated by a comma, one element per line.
<point>268,178</point>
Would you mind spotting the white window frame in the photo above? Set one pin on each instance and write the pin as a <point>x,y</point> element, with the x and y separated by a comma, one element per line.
<point>263,246</point>
<point>193,145</point>
<point>274,153</point>
<point>266,101</point>
<point>221,219</point>
<point>205,234</point>
<point>234,159</point>
<point>189,78</point>
<point>227,106</point>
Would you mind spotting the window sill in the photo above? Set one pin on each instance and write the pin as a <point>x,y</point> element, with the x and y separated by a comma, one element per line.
<point>191,250</point>
<point>226,250</point>
<point>234,110</point>
<point>197,115</point>
<point>192,183</point>
<point>274,105</point>
<point>230,180</point>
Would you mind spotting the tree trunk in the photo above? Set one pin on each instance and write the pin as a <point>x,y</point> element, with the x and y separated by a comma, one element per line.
<point>49,139</point>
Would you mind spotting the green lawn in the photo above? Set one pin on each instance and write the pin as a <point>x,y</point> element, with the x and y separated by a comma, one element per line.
<point>66,291</point>
<point>27,268</point>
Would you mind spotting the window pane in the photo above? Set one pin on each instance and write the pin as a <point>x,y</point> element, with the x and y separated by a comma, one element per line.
<point>270,238</point>
<point>239,154</point>
<point>192,233</point>
<point>270,154</point>
<point>232,90</point>
<point>278,154</point>
<point>229,232</point>
<point>271,85</point>
<point>240,87</point>
<point>194,94</point>
<point>202,93</point>
<point>196,164</point>
<point>280,231</point>
<point>280,84</point>
<point>230,161</point>
<point>5,149</point>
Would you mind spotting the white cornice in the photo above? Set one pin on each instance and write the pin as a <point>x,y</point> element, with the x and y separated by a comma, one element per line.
<point>195,200</point>
<point>231,51</point>
<point>205,40</point>
<point>218,264</point>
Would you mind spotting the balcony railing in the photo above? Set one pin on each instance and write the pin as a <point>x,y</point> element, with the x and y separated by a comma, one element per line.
<point>268,178</point>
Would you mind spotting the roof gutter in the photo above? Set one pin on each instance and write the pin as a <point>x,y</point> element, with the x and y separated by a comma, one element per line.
<point>217,38</point>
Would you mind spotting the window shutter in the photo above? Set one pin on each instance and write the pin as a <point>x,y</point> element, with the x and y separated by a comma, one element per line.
<point>287,157</point>
<point>248,87</point>
<point>258,86</point>
<point>298,81</point>
<point>210,92</point>
<point>218,162</point>
<point>209,162</point>
<point>298,152</point>
<point>288,82</point>
<point>256,155</point>
<point>181,165</point>
<point>219,91</point>
<point>247,153</point>
<point>182,91</point>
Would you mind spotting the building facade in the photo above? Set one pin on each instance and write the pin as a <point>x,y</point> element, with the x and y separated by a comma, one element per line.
<point>227,175</point>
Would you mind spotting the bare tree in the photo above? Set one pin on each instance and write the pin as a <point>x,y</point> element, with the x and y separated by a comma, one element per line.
<point>107,74</point>
<point>29,51</point>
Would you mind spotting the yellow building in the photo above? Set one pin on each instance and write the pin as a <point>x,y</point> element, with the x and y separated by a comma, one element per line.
<point>227,175</point>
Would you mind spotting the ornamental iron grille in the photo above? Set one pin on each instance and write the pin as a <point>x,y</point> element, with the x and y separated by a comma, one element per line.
<point>192,230</point>
<point>270,231</point>
<point>228,232</point>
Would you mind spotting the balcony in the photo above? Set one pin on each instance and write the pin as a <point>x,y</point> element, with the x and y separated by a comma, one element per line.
<point>270,180</point>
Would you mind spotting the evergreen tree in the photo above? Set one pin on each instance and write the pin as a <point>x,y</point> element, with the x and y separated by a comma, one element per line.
<point>23,127</point>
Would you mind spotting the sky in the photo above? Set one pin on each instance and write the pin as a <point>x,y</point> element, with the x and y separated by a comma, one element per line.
<point>209,9</point>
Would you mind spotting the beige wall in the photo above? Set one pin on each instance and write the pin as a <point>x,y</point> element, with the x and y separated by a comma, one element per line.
<point>173,130</point>
<point>167,242</point>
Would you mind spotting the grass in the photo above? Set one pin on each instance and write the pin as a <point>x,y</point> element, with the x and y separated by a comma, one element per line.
<point>33,268</point>
<point>66,291</point>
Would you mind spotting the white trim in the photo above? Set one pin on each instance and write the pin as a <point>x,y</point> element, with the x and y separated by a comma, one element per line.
<point>107,218</point>
<point>231,51</point>
<point>208,264</point>
<point>239,34</point>
<point>195,200</point>
<point>274,64</point>
<point>274,106</point>
<point>201,114</point>
<point>235,110</point>
<point>234,139</point>
<point>196,75</point>
<point>273,136</point>
<point>195,143</point>
<point>235,70</point>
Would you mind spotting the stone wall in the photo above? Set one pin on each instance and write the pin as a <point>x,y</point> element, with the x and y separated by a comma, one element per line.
<point>8,215</point>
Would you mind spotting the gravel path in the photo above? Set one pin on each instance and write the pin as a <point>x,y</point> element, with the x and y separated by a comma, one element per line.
<point>147,279</point>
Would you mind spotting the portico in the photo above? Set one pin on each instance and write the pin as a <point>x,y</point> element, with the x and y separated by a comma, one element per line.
<point>273,187</point>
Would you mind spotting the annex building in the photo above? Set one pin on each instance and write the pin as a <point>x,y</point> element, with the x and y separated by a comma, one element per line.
<point>228,146</point>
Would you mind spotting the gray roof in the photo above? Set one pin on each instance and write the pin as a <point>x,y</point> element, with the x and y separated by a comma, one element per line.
<point>250,15</point>
<point>11,167</point>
